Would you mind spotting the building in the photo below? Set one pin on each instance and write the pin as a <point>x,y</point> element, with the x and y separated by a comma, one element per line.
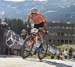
<point>61,33</point>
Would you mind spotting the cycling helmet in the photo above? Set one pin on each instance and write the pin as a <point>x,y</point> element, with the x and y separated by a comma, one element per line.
<point>24,30</point>
<point>34,10</point>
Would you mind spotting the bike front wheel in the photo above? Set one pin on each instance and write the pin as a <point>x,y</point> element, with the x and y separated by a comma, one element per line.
<point>27,48</point>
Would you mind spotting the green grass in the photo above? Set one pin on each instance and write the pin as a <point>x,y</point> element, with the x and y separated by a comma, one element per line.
<point>67,46</point>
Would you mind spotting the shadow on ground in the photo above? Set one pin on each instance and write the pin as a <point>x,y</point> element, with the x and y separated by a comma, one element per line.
<point>50,62</point>
<point>56,64</point>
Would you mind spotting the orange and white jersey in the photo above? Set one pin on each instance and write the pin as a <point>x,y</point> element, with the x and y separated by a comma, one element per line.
<point>37,19</point>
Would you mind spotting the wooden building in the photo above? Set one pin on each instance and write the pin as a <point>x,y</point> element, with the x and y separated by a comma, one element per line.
<point>61,33</point>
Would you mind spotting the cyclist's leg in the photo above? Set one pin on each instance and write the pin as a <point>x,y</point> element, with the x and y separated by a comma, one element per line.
<point>41,36</point>
<point>39,26</point>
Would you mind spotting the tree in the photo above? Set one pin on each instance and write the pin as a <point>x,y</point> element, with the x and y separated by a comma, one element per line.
<point>15,24</point>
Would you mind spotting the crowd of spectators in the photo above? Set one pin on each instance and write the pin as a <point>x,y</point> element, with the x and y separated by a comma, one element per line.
<point>65,54</point>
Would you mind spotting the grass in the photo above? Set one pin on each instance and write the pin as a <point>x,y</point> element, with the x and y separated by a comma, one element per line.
<point>67,46</point>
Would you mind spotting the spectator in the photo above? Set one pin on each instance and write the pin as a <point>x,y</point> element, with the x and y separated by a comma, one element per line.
<point>61,56</point>
<point>65,54</point>
<point>58,56</point>
<point>74,55</point>
<point>24,33</point>
<point>70,53</point>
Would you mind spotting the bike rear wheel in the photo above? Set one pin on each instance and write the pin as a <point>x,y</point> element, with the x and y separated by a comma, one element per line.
<point>26,50</point>
<point>42,52</point>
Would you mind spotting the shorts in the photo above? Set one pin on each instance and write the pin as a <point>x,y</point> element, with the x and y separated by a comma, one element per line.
<point>39,25</point>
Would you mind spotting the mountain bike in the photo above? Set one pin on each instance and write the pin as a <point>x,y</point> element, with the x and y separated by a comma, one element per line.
<point>33,44</point>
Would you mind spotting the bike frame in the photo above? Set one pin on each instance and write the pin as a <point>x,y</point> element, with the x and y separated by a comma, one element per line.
<point>36,37</point>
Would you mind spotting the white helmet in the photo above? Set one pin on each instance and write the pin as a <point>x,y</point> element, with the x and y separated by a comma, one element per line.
<point>34,10</point>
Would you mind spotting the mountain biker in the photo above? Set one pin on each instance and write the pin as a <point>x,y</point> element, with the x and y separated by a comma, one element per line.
<point>39,21</point>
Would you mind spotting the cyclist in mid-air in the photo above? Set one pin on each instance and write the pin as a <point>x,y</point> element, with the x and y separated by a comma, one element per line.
<point>39,21</point>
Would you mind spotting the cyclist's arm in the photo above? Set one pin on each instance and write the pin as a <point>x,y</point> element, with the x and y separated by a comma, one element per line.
<point>28,22</point>
<point>45,22</point>
<point>46,25</point>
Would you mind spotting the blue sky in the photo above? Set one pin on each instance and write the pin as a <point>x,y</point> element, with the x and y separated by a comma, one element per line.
<point>20,8</point>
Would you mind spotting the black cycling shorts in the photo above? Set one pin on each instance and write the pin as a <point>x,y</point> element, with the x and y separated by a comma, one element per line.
<point>39,25</point>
